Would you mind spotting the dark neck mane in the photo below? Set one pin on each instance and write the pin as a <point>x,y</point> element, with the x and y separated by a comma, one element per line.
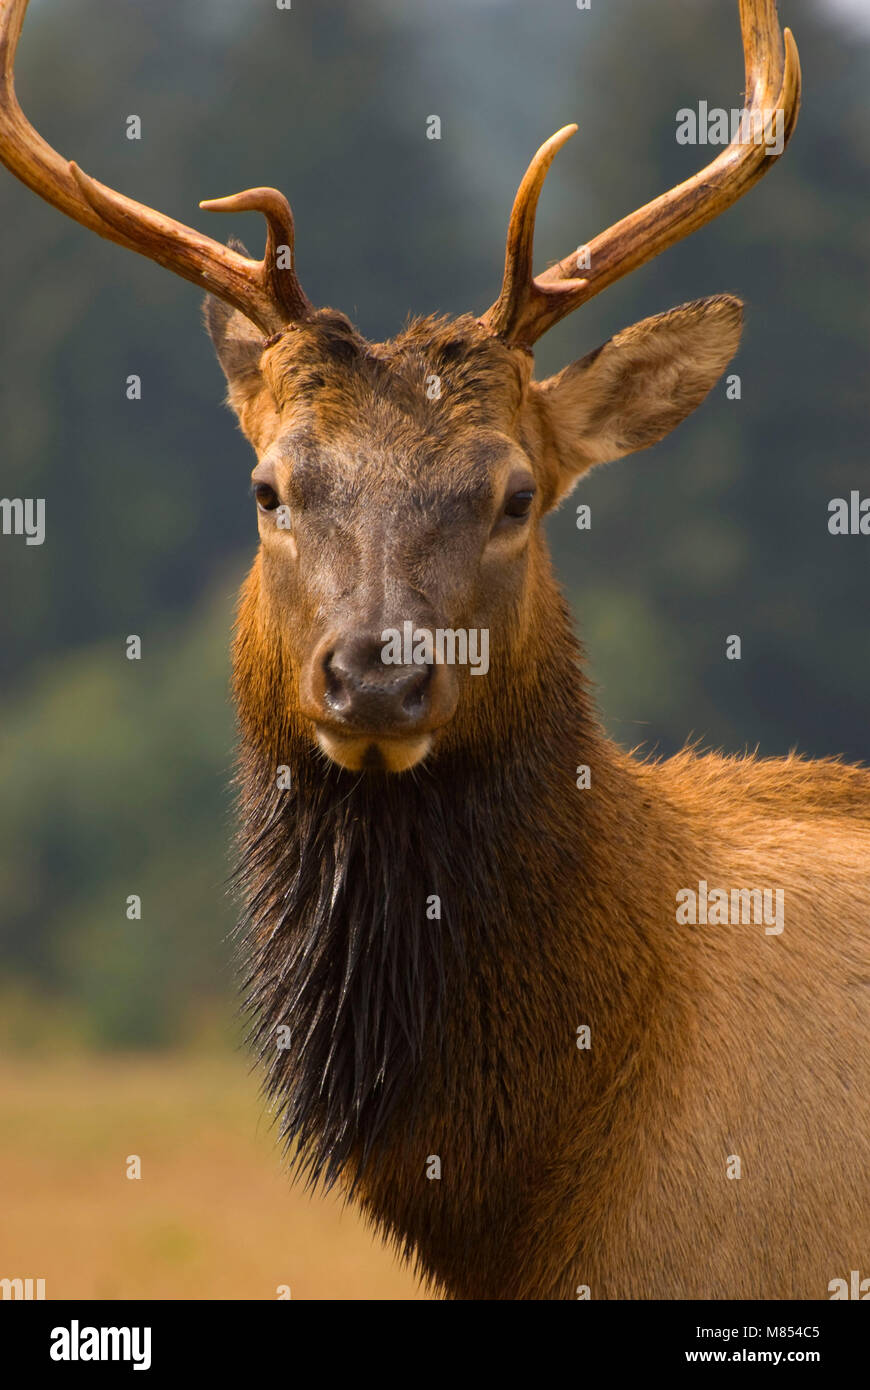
<point>337,873</point>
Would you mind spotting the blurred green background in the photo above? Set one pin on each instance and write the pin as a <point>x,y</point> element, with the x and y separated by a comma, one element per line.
<point>115,773</point>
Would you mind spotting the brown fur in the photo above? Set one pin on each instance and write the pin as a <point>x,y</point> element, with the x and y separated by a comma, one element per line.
<point>453,1036</point>
<point>560,1167</point>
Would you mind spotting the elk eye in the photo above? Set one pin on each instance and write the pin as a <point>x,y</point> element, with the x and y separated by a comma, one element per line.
<point>267,497</point>
<point>519,504</point>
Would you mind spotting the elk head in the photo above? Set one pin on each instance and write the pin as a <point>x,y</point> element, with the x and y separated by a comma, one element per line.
<point>400,485</point>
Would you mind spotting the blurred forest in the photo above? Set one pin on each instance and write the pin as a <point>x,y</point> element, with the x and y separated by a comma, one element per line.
<point>115,774</point>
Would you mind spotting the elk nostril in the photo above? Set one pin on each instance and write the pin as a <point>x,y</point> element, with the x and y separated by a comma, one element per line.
<point>414,697</point>
<point>357,687</point>
<point>335,688</point>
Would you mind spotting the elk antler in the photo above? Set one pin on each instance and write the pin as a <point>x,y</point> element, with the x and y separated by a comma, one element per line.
<point>528,305</point>
<point>267,294</point>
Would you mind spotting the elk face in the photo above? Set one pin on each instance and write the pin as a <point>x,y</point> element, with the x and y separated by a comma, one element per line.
<point>399,490</point>
<point>395,504</point>
<point>406,504</point>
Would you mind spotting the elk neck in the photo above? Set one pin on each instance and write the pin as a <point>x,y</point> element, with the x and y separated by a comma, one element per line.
<point>417,933</point>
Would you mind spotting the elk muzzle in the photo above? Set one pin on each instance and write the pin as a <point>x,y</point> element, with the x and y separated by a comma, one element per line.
<point>371,713</point>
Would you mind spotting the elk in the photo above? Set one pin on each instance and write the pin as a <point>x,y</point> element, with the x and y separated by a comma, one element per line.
<point>435,905</point>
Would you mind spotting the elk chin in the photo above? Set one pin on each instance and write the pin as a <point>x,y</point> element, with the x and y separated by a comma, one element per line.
<point>368,754</point>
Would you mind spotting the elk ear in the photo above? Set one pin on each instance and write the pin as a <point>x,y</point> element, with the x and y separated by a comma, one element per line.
<point>238,344</point>
<point>639,386</point>
<point>239,347</point>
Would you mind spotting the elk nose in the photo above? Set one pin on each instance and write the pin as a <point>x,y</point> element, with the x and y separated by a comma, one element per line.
<point>361,689</point>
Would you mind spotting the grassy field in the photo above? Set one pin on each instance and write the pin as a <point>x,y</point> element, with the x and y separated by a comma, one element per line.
<point>213,1215</point>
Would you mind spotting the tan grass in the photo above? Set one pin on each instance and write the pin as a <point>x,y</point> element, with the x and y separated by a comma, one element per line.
<point>213,1216</point>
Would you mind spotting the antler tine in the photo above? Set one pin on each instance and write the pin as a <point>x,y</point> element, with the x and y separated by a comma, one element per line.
<point>522,296</point>
<point>263,291</point>
<point>528,306</point>
<point>280,235</point>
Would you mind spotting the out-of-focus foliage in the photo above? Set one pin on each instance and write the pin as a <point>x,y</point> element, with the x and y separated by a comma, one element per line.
<point>115,772</point>
<point>115,784</point>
